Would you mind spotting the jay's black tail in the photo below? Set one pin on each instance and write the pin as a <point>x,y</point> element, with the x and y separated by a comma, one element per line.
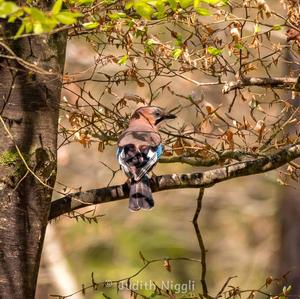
<point>140,196</point>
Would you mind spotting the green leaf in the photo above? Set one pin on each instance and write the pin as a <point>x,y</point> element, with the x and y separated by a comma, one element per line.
<point>37,14</point>
<point>20,30</point>
<point>56,7</point>
<point>67,18</point>
<point>196,3</point>
<point>117,15</point>
<point>153,295</point>
<point>199,10</point>
<point>28,26</point>
<point>239,46</point>
<point>143,9</point>
<point>49,24</point>
<point>158,4</point>
<point>277,27</point>
<point>159,15</point>
<point>202,11</point>
<point>286,290</point>
<point>149,45</point>
<point>160,7</point>
<point>173,4</point>
<point>123,59</point>
<point>90,25</point>
<point>8,8</point>
<point>129,4</point>
<point>256,28</point>
<point>179,40</point>
<point>214,51</point>
<point>215,2</point>
<point>84,2</point>
<point>176,53</point>
<point>185,3</point>
<point>109,2</point>
<point>14,16</point>
<point>38,28</point>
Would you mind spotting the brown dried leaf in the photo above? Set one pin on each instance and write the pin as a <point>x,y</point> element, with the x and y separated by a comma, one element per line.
<point>168,153</point>
<point>178,147</point>
<point>292,34</point>
<point>235,33</point>
<point>140,84</point>
<point>101,146</point>
<point>269,280</point>
<point>229,138</point>
<point>246,125</point>
<point>74,120</point>
<point>83,138</point>
<point>259,128</point>
<point>167,265</point>
<point>209,107</point>
<point>206,126</point>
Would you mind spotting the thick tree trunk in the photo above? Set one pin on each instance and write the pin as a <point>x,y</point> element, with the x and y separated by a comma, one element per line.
<point>29,106</point>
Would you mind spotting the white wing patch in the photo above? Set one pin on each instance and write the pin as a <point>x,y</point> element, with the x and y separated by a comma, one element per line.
<point>140,172</point>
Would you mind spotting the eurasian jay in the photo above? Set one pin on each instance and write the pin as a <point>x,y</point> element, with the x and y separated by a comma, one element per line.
<point>139,148</point>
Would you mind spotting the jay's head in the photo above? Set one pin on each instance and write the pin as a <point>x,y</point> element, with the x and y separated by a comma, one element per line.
<point>153,115</point>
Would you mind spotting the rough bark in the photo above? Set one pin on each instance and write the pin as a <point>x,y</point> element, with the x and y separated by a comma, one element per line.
<point>286,83</point>
<point>29,106</point>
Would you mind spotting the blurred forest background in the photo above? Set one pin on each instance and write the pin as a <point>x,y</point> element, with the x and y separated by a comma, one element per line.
<point>241,221</point>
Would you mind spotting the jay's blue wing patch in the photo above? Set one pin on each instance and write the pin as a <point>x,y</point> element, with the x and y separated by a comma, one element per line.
<point>136,162</point>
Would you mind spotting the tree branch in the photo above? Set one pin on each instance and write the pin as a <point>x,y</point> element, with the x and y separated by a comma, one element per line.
<point>204,179</point>
<point>201,244</point>
<point>219,157</point>
<point>279,82</point>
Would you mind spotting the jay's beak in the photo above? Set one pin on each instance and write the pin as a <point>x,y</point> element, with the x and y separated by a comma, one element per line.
<point>164,116</point>
<point>169,116</point>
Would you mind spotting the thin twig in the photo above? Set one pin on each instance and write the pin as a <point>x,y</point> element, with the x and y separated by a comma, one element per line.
<point>108,284</point>
<point>201,244</point>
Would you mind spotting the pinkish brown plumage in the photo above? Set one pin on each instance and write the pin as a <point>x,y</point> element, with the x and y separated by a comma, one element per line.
<point>139,148</point>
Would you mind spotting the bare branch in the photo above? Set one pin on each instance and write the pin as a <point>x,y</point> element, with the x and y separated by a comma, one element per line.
<point>279,82</point>
<point>176,181</point>
<point>219,157</point>
<point>201,244</point>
